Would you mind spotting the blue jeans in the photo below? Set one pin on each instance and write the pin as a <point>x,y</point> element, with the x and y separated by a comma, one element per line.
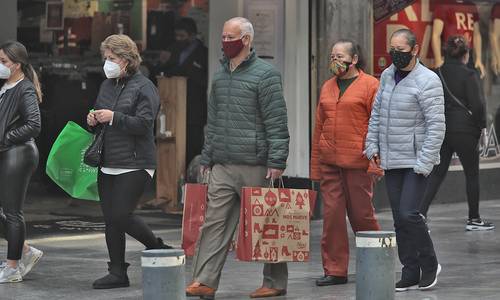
<point>416,251</point>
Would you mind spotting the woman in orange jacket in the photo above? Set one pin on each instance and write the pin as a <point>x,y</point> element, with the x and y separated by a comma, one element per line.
<point>345,174</point>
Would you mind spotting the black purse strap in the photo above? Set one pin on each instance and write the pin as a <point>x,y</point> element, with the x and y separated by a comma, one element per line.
<point>114,106</point>
<point>451,94</point>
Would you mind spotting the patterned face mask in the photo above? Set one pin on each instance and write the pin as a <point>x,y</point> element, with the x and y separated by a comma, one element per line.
<point>339,68</point>
<point>401,59</point>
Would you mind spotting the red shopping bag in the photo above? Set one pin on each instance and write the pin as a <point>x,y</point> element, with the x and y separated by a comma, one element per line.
<point>195,204</point>
<point>274,224</point>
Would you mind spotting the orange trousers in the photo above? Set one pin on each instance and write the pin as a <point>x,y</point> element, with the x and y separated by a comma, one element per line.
<point>344,191</point>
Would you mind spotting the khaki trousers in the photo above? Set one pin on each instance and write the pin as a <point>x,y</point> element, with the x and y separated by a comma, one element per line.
<point>221,220</point>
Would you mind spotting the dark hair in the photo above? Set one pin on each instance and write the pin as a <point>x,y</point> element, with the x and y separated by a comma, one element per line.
<point>187,24</point>
<point>408,34</point>
<point>18,54</point>
<point>353,49</point>
<point>457,46</point>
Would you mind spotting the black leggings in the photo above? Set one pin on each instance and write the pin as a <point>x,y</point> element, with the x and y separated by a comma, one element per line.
<point>119,196</point>
<point>465,145</point>
<point>16,167</point>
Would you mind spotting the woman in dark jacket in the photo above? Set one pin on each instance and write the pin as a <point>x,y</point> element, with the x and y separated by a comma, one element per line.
<point>19,125</point>
<point>126,108</point>
<point>465,118</point>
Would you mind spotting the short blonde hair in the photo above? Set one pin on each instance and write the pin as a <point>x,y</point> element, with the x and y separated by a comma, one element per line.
<point>123,47</point>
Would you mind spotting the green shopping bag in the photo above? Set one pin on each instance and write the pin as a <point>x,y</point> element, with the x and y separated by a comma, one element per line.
<point>65,163</point>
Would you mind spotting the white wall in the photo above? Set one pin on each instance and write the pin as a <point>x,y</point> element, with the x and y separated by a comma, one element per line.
<point>295,76</point>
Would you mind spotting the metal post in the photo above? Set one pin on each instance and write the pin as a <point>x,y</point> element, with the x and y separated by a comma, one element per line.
<point>163,274</point>
<point>375,257</point>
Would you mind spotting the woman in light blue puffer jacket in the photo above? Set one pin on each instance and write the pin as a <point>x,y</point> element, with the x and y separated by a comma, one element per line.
<point>405,134</point>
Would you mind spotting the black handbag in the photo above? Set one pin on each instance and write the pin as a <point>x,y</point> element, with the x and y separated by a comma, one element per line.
<point>92,156</point>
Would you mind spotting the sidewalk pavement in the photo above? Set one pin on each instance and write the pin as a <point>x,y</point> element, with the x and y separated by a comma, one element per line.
<point>73,260</point>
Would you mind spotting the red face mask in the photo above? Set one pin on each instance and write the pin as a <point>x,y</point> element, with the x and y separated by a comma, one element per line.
<point>232,48</point>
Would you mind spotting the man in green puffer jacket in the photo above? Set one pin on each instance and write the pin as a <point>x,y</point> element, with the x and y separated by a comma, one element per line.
<point>247,145</point>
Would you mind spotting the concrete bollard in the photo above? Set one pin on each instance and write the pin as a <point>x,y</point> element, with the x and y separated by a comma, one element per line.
<point>375,257</point>
<point>163,274</point>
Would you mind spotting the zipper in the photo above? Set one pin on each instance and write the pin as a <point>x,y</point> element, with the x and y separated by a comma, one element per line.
<point>226,115</point>
<point>387,127</point>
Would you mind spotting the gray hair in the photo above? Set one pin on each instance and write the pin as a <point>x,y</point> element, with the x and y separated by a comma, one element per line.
<point>246,26</point>
<point>408,34</point>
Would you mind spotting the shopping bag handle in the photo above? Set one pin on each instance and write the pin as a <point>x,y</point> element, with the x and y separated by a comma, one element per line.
<point>281,184</point>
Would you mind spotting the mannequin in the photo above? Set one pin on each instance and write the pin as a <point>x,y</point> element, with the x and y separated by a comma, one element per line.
<point>495,39</point>
<point>451,18</point>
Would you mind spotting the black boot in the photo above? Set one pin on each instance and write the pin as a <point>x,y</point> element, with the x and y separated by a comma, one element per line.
<point>116,278</point>
<point>160,245</point>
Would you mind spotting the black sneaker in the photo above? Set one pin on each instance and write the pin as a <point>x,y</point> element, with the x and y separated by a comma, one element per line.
<point>331,280</point>
<point>429,279</point>
<point>478,225</point>
<point>405,285</point>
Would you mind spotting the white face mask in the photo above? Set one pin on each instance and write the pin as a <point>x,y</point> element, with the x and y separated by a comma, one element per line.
<point>4,72</point>
<point>112,69</point>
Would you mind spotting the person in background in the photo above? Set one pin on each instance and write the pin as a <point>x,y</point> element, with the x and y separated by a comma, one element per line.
<point>465,118</point>
<point>247,145</point>
<point>188,57</point>
<point>406,130</point>
<point>346,175</point>
<point>20,123</point>
<point>126,106</point>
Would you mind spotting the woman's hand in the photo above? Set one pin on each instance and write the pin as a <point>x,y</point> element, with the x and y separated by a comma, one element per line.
<point>376,160</point>
<point>103,115</point>
<point>91,119</point>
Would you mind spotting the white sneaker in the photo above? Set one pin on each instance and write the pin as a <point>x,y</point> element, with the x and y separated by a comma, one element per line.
<point>9,274</point>
<point>3,264</point>
<point>29,260</point>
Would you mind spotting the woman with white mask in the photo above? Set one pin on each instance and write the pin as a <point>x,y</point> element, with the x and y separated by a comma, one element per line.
<point>126,107</point>
<point>20,123</point>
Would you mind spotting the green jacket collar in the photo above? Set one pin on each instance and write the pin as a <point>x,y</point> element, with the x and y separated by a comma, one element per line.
<point>250,58</point>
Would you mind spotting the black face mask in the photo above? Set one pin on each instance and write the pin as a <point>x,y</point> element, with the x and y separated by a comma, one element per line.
<point>401,59</point>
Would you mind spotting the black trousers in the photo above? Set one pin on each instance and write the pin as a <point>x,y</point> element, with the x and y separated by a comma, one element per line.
<point>16,167</point>
<point>119,196</point>
<point>466,147</point>
<point>415,248</point>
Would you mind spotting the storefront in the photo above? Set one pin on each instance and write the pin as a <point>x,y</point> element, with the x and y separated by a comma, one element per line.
<point>434,21</point>
<point>294,35</point>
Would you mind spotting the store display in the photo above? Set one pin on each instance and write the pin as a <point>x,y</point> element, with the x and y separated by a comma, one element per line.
<point>456,18</point>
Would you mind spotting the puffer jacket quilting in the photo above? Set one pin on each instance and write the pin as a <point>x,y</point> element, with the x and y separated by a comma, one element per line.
<point>342,124</point>
<point>247,117</point>
<point>407,123</point>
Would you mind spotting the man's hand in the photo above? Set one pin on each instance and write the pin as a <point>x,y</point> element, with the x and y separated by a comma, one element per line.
<point>204,170</point>
<point>274,173</point>
<point>103,115</point>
